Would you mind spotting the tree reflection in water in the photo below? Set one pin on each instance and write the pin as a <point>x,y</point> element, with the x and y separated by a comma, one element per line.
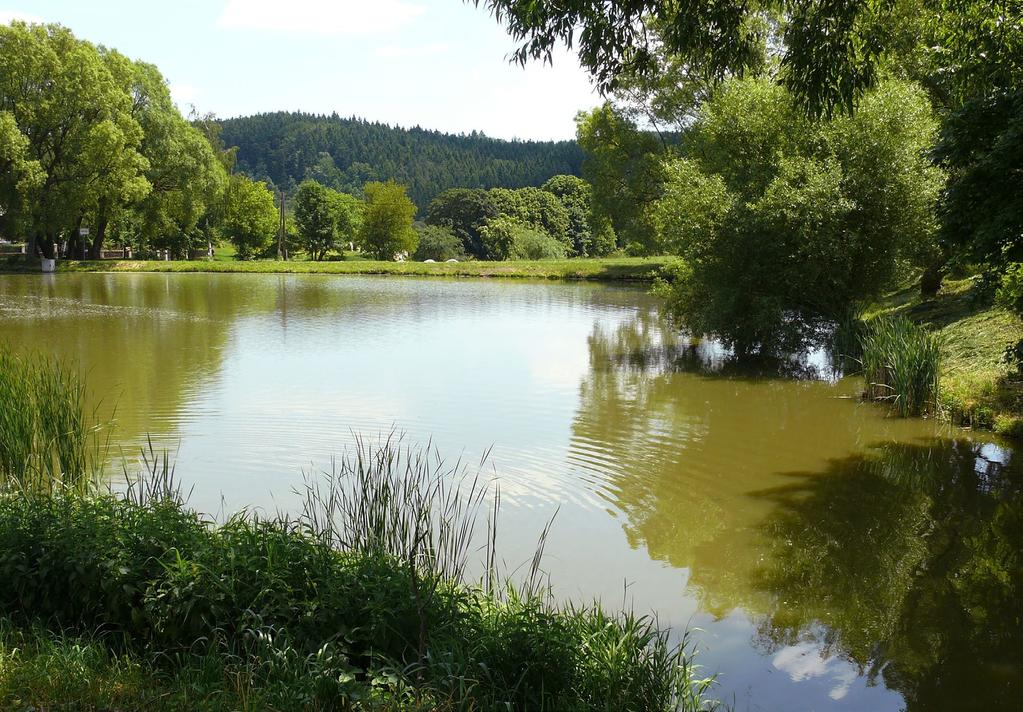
<point>887,543</point>
<point>910,555</point>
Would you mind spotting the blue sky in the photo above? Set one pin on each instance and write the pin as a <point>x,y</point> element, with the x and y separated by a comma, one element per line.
<point>441,64</point>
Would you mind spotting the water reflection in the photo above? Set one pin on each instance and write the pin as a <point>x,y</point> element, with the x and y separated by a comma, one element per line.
<point>910,556</point>
<point>888,558</point>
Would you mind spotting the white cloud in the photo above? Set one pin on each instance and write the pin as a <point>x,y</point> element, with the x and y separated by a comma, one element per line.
<point>804,662</point>
<point>323,17</point>
<point>399,52</point>
<point>801,662</point>
<point>9,16</point>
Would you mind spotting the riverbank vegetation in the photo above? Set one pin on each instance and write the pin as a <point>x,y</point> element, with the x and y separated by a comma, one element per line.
<point>631,269</point>
<point>361,601</point>
<point>979,383</point>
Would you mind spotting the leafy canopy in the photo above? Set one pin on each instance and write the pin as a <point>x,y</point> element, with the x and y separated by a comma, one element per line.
<point>386,230</point>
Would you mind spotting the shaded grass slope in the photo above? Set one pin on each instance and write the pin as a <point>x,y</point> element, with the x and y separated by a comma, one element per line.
<point>977,386</point>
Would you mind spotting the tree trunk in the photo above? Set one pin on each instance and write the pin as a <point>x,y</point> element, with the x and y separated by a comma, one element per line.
<point>97,239</point>
<point>102,218</point>
<point>930,281</point>
<point>75,246</point>
<point>45,247</point>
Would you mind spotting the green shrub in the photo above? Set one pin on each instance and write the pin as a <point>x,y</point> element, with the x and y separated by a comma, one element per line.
<point>506,238</point>
<point>1010,292</point>
<point>439,244</point>
<point>536,245</point>
<point>901,364</point>
<point>1010,295</point>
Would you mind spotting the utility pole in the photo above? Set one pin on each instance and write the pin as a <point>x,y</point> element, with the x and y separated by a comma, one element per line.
<point>282,249</point>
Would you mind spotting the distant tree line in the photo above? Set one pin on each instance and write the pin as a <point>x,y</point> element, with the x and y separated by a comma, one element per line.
<point>555,220</point>
<point>93,151</point>
<point>346,153</point>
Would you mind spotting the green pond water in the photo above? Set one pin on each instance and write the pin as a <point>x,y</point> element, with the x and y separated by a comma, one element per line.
<point>827,557</point>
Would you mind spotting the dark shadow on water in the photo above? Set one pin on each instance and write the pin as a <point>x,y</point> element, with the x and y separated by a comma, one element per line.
<point>907,561</point>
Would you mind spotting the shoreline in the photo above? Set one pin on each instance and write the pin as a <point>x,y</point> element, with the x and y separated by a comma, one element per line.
<point>613,269</point>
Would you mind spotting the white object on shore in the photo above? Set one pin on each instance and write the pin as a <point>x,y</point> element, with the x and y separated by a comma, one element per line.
<point>429,261</point>
<point>49,265</point>
<point>451,260</point>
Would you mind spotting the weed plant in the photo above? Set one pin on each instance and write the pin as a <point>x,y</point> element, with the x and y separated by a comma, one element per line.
<point>901,365</point>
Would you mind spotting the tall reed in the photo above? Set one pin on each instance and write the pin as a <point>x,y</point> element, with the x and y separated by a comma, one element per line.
<point>48,437</point>
<point>901,365</point>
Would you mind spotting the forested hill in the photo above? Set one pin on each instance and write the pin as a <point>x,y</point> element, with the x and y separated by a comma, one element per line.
<point>345,153</point>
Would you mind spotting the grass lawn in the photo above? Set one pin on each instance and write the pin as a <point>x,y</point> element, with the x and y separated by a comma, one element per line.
<point>642,269</point>
<point>977,388</point>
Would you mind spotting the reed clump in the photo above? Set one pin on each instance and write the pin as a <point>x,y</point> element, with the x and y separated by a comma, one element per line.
<point>48,437</point>
<point>901,364</point>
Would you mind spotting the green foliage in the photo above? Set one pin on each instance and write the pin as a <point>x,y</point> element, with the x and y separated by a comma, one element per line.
<point>693,208</point>
<point>576,196</point>
<point>386,229</point>
<point>981,145</point>
<point>831,52</point>
<point>623,165</point>
<point>901,364</point>
<point>506,238</point>
<point>314,219</point>
<point>347,211</point>
<point>63,94</point>
<point>325,219</point>
<point>359,600</point>
<point>1010,293</point>
<point>111,152</point>
<point>346,153</point>
<point>535,245</point>
<point>560,215</point>
<point>438,244</point>
<point>47,437</point>
<point>536,208</point>
<point>715,37</point>
<point>251,217</point>
<point>529,244</point>
<point>19,174</point>
<point>463,211</point>
<point>786,224</point>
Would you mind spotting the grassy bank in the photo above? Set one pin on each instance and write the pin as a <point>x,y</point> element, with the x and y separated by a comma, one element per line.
<point>640,269</point>
<point>132,602</point>
<point>977,388</point>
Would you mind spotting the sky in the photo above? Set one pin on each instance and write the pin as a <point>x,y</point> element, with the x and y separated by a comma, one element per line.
<point>439,64</point>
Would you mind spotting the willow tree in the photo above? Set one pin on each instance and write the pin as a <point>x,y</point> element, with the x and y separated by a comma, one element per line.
<point>186,179</point>
<point>18,174</point>
<point>78,123</point>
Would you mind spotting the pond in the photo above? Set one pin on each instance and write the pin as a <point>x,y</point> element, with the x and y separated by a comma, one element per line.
<point>826,557</point>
